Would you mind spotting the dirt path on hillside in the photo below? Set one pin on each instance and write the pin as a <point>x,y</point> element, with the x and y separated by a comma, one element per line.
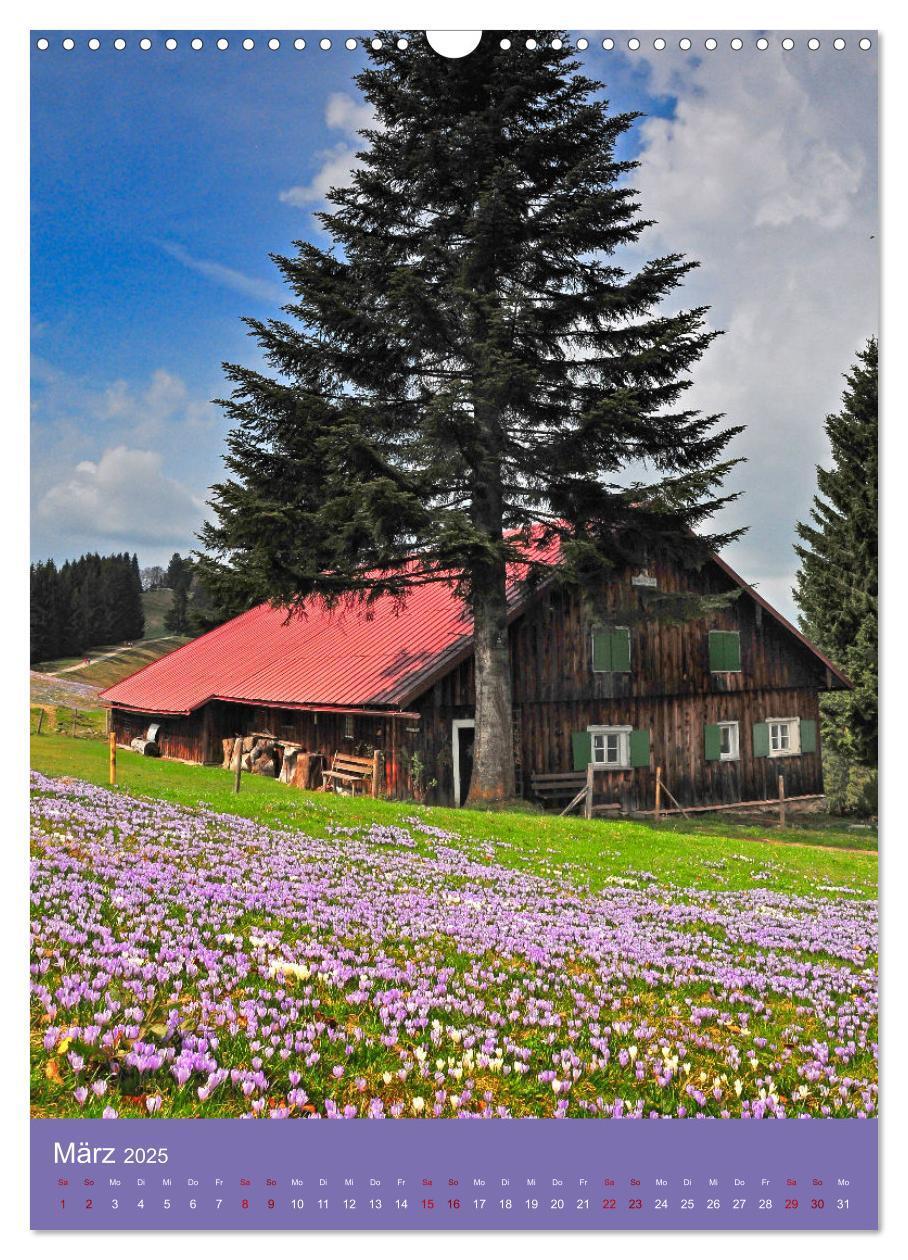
<point>105,656</point>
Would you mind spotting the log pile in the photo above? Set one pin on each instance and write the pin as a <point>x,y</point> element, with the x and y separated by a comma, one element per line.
<point>275,760</point>
<point>259,756</point>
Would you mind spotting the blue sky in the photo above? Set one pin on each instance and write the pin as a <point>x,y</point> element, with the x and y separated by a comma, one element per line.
<point>162,179</point>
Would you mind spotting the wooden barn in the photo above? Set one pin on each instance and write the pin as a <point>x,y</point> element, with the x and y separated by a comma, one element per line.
<point>720,705</point>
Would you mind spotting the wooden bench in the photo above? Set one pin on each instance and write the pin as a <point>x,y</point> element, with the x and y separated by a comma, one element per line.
<point>353,773</point>
<point>562,786</point>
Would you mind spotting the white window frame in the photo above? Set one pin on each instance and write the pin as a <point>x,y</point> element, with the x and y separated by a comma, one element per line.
<point>794,736</point>
<point>624,746</point>
<point>348,726</point>
<point>458,725</point>
<point>734,753</point>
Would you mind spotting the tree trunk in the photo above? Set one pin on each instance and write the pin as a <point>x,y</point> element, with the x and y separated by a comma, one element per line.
<point>493,750</point>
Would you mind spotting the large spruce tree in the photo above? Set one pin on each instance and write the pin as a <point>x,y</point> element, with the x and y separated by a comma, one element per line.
<point>470,358</point>
<point>837,579</point>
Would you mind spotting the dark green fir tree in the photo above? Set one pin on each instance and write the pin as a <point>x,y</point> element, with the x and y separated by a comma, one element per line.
<point>467,361</point>
<point>179,579</point>
<point>837,580</point>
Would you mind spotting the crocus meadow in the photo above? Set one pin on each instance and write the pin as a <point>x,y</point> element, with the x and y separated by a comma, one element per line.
<point>187,963</point>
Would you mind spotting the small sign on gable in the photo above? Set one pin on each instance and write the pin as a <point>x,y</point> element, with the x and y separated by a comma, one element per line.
<point>644,578</point>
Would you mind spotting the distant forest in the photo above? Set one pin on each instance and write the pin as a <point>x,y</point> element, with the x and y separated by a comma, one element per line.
<point>83,603</point>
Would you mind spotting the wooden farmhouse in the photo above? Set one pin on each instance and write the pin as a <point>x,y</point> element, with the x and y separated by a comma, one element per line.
<point>720,705</point>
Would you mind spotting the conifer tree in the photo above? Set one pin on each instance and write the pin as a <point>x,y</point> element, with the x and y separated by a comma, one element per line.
<point>837,588</point>
<point>45,611</point>
<point>179,579</point>
<point>470,360</point>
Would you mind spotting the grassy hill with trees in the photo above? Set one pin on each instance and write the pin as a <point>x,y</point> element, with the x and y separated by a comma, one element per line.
<point>157,604</point>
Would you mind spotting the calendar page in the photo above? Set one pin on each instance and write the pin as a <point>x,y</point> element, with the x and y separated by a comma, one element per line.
<point>454,630</point>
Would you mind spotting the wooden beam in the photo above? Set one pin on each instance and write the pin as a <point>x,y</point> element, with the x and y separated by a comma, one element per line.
<point>674,802</point>
<point>238,754</point>
<point>740,806</point>
<point>574,803</point>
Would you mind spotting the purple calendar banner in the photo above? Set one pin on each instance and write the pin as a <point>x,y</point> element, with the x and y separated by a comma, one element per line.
<point>450,1174</point>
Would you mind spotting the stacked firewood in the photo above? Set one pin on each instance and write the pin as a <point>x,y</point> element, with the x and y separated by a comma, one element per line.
<point>261,755</point>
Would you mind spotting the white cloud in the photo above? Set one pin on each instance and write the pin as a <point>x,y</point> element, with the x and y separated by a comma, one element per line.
<point>766,175</point>
<point>336,164</point>
<point>119,462</point>
<point>347,114</point>
<point>145,411</point>
<point>228,277</point>
<point>123,498</point>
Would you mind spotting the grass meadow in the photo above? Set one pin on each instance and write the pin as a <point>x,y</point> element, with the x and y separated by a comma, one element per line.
<point>284,954</point>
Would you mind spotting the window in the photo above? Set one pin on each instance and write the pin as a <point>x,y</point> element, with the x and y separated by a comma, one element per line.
<point>784,737</point>
<point>348,726</point>
<point>724,652</point>
<point>721,741</point>
<point>728,741</point>
<point>611,650</point>
<point>610,746</point>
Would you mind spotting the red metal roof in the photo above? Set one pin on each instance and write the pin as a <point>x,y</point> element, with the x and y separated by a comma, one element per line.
<point>347,658</point>
<point>383,656</point>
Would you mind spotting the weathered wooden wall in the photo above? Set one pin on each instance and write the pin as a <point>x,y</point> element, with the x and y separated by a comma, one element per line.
<point>669,691</point>
<point>199,737</point>
<point>183,739</point>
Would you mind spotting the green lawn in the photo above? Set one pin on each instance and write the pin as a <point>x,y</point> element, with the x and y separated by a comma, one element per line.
<point>711,853</point>
<point>68,723</point>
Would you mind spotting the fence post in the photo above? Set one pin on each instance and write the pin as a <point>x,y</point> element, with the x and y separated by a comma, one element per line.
<point>658,793</point>
<point>238,757</point>
<point>588,807</point>
<point>112,749</point>
<point>376,770</point>
<point>781,800</point>
<point>40,720</point>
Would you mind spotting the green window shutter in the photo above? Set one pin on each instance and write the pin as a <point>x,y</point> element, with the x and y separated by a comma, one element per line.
<point>733,651</point>
<point>712,742</point>
<point>761,739</point>
<point>602,654</point>
<point>582,749</point>
<point>621,650</point>
<point>724,651</point>
<point>639,741</point>
<point>808,736</point>
<point>611,651</point>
